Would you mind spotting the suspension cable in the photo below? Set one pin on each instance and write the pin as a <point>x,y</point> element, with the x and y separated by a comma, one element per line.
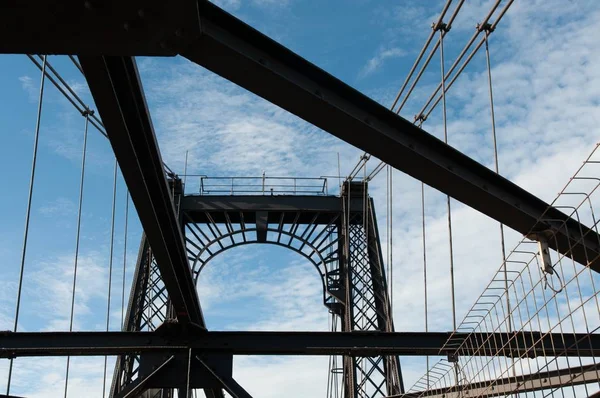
<point>68,93</point>
<point>467,61</point>
<point>73,98</point>
<point>431,54</point>
<point>366,157</point>
<point>420,56</point>
<point>110,266</point>
<point>86,114</point>
<point>425,269</point>
<point>391,237</point>
<point>28,212</point>
<point>487,28</point>
<point>387,215</point>
<point>77,65</point>
<point>462,54</point>
<point>124,261</point>
<point>442,28</point>
<point>423,114</point>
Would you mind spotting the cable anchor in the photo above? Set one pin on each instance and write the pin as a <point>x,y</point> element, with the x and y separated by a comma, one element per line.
<point>545,260</point>
<point>421,117</point>
<point>440,26</point>
<point>486,27</point>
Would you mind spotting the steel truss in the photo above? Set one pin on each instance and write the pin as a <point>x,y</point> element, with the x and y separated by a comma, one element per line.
<point>106,35</point>
<point>338,236</point>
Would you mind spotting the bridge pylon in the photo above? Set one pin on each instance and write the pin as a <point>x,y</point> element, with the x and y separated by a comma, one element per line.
<point>338,235</point>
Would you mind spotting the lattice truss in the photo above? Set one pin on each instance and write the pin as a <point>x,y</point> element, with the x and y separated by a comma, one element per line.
<point>537,291</point>
<point>148,308</point>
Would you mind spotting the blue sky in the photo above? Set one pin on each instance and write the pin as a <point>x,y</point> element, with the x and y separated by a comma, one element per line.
<point>547,91</point>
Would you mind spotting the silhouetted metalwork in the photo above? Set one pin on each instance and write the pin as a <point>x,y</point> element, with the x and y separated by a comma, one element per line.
<point>160,347</point>
<point>337,235</point>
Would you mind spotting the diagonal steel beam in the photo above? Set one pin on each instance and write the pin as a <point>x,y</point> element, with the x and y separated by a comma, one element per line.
<point>117,90</point>
<point>241,54</point>
<point>229,383</point>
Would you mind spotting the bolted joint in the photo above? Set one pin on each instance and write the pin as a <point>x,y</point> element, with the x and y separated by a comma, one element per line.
<point>486,27</point>
<point>87,112</point>
<point>420,118</point>
<point>440,26</point>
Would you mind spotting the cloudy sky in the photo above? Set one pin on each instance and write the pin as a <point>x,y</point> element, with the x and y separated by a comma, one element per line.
<point>545,61</point>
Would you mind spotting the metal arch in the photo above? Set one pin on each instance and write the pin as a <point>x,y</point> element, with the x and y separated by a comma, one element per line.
<point>224,237</point>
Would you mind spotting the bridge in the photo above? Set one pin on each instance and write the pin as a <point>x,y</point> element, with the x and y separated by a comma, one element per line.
<point>533,329</point>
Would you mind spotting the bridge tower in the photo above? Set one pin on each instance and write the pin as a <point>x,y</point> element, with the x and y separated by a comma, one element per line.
<point>338,235</point>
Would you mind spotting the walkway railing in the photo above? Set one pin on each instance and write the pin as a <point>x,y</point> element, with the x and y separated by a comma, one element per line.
<point>262,185</point>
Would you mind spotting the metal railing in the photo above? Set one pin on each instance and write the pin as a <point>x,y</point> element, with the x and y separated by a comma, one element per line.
<point>262,185</point>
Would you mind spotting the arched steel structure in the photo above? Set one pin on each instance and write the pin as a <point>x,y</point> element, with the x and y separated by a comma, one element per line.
<point>337,235</point>
<point>316,242</point>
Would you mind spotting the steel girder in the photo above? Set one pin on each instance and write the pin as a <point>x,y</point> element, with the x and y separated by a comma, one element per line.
<point>172,339</point>
<point>207,35</point>
<point>150,307</point>
<point>115,85</point>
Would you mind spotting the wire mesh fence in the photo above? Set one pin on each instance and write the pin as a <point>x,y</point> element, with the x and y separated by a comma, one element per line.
<point>543,294</point>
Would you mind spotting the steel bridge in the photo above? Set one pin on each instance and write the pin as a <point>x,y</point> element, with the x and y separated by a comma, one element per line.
<point>165,348</point>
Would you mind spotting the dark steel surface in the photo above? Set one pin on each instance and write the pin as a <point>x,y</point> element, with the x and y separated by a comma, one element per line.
<point>117,90</point>
<point>227,381</point>
<point>290,343</point>
<point>97,27</point>
<point>247,206</point>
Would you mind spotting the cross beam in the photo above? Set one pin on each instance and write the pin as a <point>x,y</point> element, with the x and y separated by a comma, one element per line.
<point>210,37</point>
<point>529,344</point>
<point>117,91</point>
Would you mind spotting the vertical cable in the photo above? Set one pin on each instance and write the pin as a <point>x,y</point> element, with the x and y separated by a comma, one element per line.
<point>391,242</point>
<point>509,327</point>
<point>387,240</point>
<point>185,169</point>
<point>425,270</point>
<point>497,168</point>
<point>441,29</point>
<point>124,261</point>
<point>110,266</point>
<point>28,212</point>
<point>86,113</point>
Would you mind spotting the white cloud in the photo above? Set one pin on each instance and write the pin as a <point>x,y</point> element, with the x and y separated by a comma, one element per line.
<point>59,207</point>
<point>547,90</point>
<point>30,88</point>
<point>378,60</point>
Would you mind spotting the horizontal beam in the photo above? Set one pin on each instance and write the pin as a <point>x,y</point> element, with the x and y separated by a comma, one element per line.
<point>543,380</point>
<point>283,343</point>
<point>212,38</point>
<point>247,206</point>
<point>117,90</point>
